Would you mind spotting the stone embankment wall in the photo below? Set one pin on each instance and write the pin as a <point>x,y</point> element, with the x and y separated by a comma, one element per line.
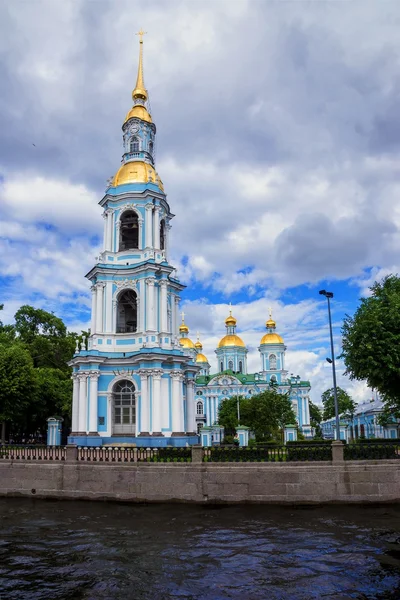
<point>343,482</point>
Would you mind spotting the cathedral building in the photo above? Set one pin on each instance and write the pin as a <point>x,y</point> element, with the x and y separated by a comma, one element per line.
<point>233,378</point>
<point>140,379</point>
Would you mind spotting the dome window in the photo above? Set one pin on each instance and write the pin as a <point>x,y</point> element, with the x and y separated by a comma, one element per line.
<point>134,145</point>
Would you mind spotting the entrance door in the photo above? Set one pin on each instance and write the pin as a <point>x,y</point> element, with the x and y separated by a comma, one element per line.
<point>124,408</point>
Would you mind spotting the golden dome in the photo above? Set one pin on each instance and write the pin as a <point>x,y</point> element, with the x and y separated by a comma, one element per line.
<point>137,172</point>
<point>271,338</point>
<point>270,324</point>
<point>230,321</point>
<point>200,358</point>
<point>183,328</point>
<point>231,340</point>
<point>186,342</point>
<point>198,345</point>
<point>140,112</point>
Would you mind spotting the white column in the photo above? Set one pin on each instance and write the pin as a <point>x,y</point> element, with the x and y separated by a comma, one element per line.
<point>149,226</point>
<point>140,238</point>
<point>157,401</point>
<point>75,404</point>
<point>190,412</point>
<point>151,309</point>
<point>166,240</point>
<point>176,330</point>
<point>144,403</point>
<point>108,306</point>
<point>94,378</point>
<point>164,307</point>
<point>116,229</point>
<point>94,299</point>
<point>142,293</point>
<point>99,308</point>
<point>110,215</point>
<point>173,316</point>
<point>157,227</point>
<point>82,425</point>
<point>177,402</point>
<point>105,230</point>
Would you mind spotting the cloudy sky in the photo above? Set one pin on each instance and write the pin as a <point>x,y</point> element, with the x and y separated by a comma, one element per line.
<point>278,139</point>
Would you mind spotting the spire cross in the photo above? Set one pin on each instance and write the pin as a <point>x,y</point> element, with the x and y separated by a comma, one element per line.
<point>141,33</point>
<point>198,335</point>
<point>183,316</point>
<point>270,312</point>
<point>230,308</point>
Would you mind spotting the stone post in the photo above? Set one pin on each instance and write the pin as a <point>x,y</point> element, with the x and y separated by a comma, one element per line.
<point>197,454</point>
<point>337,451</point>
<point>71,453</point>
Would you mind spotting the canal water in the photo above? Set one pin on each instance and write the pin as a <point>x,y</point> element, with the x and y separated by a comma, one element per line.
<point>94,551</point>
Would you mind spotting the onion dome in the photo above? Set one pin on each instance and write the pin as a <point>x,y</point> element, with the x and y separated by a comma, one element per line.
<point>231,340</point>
<point>184,341</point>
<point>198,345</point>
<point>137,172</point>
<point>200,358</point>
<point>271,337</point>
<point>230,321</point>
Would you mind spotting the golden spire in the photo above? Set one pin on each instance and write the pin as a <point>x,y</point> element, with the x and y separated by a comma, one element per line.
<point>183,328</point>
<point>230,321</point>
<point>198,344</point>
<point>140,91</point>
<point>270,323</point>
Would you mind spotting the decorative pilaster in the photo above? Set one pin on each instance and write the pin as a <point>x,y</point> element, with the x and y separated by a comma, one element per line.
<point>75,405</point>
<point>140,238</point>
<point>149,226</point>
<point>176,328</point>
<point>109,223</point>
<point>99,308</point>
<point>177,403</point>
<point>116,239</point>
<point>157,227</point>
<point>93,413</point>
<point>151,325</point>
<point>82,423</point>
<point>166,241</point>
<point>190,425</point>
<point>164,306</point>
<point>94,299</point>
<point>157,415</point>
<point>144,404</point>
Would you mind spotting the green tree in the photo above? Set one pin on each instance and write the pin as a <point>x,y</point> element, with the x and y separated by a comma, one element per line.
<point>371,341</point>
<point>266,414</point>
<point>346,404</point>
<point>17,384</point>
<point>315,414</point>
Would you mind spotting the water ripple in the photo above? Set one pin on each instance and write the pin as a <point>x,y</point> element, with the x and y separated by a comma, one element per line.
<point>93,551</point>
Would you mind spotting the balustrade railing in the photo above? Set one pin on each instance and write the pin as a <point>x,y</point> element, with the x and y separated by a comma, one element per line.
<point>34,453</point>
<point>372,450</point>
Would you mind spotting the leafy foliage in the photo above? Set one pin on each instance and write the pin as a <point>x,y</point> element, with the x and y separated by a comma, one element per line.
<point>371,341</point>
<point>34,376</point>
<point>346,404</point>
<point>266,414</point>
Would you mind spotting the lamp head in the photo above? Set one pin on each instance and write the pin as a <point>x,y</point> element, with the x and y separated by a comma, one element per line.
<point>326,294</point>
<point>329,360</point>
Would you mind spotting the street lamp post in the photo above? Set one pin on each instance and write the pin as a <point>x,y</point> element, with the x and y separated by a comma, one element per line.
<point>328,296</point>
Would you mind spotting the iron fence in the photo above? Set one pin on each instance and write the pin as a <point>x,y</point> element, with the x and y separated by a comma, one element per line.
<point>298,453</point>
<point>372,450</point>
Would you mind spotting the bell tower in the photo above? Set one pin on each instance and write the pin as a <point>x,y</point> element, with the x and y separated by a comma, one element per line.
<point>133,353</point>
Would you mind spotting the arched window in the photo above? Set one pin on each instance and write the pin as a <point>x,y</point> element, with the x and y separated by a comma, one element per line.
<point>127,312</point>
<point>124,408</point>
<point>272,362</point>
<point>199,408</point>
<point>151,148</point>
<point>134,145</point>
<point>162,235</point>
<point>222,366</point>
<point>240,366</point>
<point>230,365</point>
<point>273,378</point>
<point>129,231</point>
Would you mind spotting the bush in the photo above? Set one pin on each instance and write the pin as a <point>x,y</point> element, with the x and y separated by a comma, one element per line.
<point>310,442</point>
<point>228,439</point>
<point>252,443</point>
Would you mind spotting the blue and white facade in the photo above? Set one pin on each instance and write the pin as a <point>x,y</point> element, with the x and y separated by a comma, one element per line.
<point>364,424</point>
<point>134,383</point>
<point>233,378</point>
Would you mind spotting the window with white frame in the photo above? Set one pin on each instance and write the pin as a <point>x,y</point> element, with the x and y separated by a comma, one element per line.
<point>199,408</point>
<point>272,362</point>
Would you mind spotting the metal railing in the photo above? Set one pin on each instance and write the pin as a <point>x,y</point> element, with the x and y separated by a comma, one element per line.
<point>372,450</point>
<point>33,453</point>
<point>271,453</point>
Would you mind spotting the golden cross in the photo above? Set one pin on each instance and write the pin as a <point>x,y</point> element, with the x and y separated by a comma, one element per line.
<point>141,33</point>
<point>183,316</point>
<point>198,335</point>
<point>230,308</point>
<point>270,312</point>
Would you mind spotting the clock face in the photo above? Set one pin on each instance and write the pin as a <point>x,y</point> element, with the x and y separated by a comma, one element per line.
<point>134,128</point>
